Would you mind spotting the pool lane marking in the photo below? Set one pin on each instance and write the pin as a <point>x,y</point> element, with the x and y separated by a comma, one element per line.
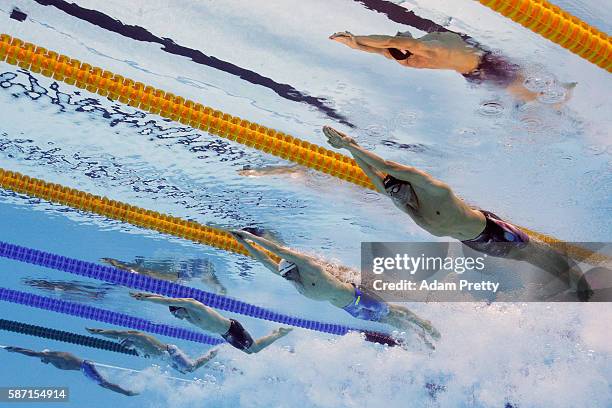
<point>103,315</point>
<point>141,34</point>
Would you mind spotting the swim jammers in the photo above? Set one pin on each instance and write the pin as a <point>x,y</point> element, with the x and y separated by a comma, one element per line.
<point>493,68</point>
<point>89,370</point>
<point>498,237</point>
<point>237,336</point>
<point>367,307</point>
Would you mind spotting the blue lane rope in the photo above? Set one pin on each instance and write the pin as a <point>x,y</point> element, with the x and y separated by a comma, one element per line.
<point>146,283</point>
<point>64,336</point>
<point>103,315</point>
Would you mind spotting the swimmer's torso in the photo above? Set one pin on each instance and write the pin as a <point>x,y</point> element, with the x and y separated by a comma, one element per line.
<point>208,319</point>
<point>442,214</point>
<point>444,51</point>
<point>318,284</point>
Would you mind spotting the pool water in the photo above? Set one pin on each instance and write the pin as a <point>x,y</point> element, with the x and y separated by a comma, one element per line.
<point>541,164</point>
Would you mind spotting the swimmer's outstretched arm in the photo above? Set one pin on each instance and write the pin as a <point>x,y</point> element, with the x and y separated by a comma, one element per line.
<point>126,334</point>
<point>257,253</point>
<point>162,300</point>
<point>348,39</point>
<point>286,253</point>
<point>25,352</point>
<point>375,176</point>
<point>384,42</point>
<point>400,171</point>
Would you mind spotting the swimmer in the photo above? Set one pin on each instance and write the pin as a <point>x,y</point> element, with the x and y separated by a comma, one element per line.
<point>149,347</point>
<point>139,269</point>
<point>293,170</point>
<point>450,51</point>
<point>209,320</point>
<point>67,361</point>
<point>311,279</point>
<point>434,207</point>
<point>166,272</point>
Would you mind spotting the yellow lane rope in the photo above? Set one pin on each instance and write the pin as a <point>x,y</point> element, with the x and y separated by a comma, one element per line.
<point>117,210</point>
<point>105,83</point>
<point>558,26</point>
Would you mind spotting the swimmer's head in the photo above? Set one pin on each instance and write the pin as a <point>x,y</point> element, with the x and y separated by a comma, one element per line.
<point>179,312</point>
<point>257,231</point>
<point>44,359</point>
<point>127,343</point>
<point>404,34</point>
<point>398,190</point>
<point>289,270</point>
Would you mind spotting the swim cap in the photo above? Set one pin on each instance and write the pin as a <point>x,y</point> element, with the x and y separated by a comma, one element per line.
<point>398,190</point>
<point>284,267</point>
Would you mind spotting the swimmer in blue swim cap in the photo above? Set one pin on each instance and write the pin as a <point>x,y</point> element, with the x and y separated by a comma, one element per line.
<point>67,361</point>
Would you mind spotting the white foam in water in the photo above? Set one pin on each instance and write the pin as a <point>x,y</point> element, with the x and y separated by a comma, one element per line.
<point>483,360</point>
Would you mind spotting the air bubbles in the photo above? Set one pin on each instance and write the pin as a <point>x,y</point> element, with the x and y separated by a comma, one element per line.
<point>596,150</point>
<point>539,83</point>
<point>467,137</point>
<point>552,95</point>
<point>531,120</point>
<point>491,108</point>
<point>406,118</point>
<point>371,196</point>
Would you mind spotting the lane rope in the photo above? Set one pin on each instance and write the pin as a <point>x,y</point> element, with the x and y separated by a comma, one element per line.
<point>64,336</point>
<point>136,94</point>
<point>116,276</point>
<point>103,315</point>
<point>178,227</point>
<point>558,26</point>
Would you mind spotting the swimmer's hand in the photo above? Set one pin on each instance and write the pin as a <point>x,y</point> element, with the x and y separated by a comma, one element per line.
<point>343,37</point>
<point>94,330</point>
<point>336,138</point>
<point>240,235</point>
<point>143,296</point>
<point>109,261</point>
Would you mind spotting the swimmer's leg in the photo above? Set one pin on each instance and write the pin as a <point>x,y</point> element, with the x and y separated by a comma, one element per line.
<point>117,388</point>
<point>91,372</point>
<point>203,360</point>
<point>264,342</point>
<point>404,319</point>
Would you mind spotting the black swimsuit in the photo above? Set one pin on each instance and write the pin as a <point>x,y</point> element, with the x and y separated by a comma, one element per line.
<point>237,336</point>
<point>498,237</point>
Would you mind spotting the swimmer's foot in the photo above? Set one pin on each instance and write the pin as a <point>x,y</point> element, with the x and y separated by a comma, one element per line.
<point>282,332</point>
<point>405,320</point>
